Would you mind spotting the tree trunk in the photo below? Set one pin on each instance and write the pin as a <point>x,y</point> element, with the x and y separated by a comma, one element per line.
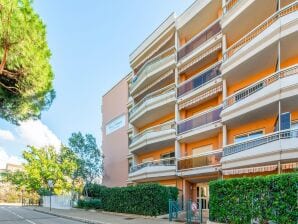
<point>3,62</point>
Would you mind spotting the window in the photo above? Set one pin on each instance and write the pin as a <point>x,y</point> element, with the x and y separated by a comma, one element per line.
<point>285,121</point>
<point>248,136</point>
<point>167,157</point>
<point>202,149</point>
<point>130,164</point>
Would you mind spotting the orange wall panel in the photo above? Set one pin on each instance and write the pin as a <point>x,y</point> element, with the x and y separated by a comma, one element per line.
<point>250,80</point>
<point>162,120</point>
<point>155,154</point>
<point>186,149</point>
<point>266,124</point>
<point>289,62</point>
<point>201,107</point>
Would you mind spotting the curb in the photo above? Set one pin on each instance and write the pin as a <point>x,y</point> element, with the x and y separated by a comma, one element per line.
<point>71,218</point>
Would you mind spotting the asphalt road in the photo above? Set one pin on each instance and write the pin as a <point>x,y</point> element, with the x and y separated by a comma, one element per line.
<point>20,215</point>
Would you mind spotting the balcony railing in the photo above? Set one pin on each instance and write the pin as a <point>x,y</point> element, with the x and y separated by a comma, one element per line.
<point>259,29</point>
<point>243,146</point>
<point>202,160</point>
<point>200,120</point>
<point>199,39</point>
<point>199,80</point>
<point>256,87</point>
<point>155,94</point>
<point>163,58</point>
<point>165,126</point>
<point>229,5</point>
<point>162,162</point>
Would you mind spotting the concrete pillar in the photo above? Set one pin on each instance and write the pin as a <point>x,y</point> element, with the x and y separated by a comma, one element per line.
<point>224,46</point>
<point>223,6</point>
<point>224,135</point>
<point>224,89</point>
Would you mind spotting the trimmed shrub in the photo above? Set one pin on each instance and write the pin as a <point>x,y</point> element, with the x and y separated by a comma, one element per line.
<point>90,203</point>
<point>144,199</point>
<point>94,190</point>
<point>239,200</point>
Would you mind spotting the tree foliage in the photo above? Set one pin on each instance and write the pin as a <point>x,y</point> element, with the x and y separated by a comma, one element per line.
<point>25,72</point>
<point>90,158</point>
<point>44,164</point>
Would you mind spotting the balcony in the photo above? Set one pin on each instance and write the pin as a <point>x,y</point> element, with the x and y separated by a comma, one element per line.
<point>207,162</point>
<point>248,49</point>
<point>155,105</point>
<point>207,122</point>
<point>153,138</point>
<point>200,39</point>
<point>277,146</point>
<point>198,81</point>
<point>277,86</point>
<point>152,70</point>
<point>153,170</point>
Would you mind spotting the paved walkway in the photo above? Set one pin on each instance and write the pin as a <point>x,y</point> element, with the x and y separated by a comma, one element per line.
<point>98,217</point>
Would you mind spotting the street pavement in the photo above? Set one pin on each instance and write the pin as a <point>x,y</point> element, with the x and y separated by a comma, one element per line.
<point>21,215</point>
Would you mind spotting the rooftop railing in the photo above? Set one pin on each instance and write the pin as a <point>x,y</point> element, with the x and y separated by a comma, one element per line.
<point>201,160</point>
<point>249,144</point>
<point>199,80</point>
<point>199,120</point>
<point>256,87</point>
<point>161,92</point>
<point>199,39</point>
<point>164,57</point>
<point>162,162</point>
<point>162,127</point>
<point>259,29</point>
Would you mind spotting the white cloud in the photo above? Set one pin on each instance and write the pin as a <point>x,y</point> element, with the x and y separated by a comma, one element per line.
<point>5,158</point>
<point>6,135</point>
<point>37,134</point>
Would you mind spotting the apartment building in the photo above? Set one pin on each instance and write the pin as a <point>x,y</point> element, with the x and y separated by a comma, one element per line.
<point>114,135</point>
<point>214,94</point>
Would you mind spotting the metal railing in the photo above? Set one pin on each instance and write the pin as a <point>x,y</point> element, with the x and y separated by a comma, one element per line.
<point>259,29</point>
<point>161,92</point>
<point>164,57</point>
<point>242,146</point>
<point>202,160</point>
<point>229,5</point>
<point>199,39</point>
<point>256,87</point>
<point>199,80</point>
<point>161,162</point>
<point>199,120</point>
<point>162,127</point>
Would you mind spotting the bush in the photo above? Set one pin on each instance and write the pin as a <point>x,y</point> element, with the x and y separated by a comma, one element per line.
<point>94,190</point>
<point>239,200</point>
<point>90,203</point>
<point>144,199</point>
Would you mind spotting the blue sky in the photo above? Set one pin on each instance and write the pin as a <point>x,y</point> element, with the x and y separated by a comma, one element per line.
<point>90,41</point>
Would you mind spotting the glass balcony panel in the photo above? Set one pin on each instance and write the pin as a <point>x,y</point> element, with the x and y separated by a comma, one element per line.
<point>199,80</point>
<point>200,161</point>
<point>199,39</point>
<point>200,120</point>
<point>162,162</point>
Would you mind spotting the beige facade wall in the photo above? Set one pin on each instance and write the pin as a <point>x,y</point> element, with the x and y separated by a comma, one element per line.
<point>115,141</point>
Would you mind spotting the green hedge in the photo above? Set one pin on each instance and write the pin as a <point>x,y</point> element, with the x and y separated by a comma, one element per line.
<point>144,199</point>
<point>90,203</point>
<point>239,200</point>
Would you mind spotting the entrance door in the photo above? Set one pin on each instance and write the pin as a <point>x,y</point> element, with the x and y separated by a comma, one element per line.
<point>203,196</point>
